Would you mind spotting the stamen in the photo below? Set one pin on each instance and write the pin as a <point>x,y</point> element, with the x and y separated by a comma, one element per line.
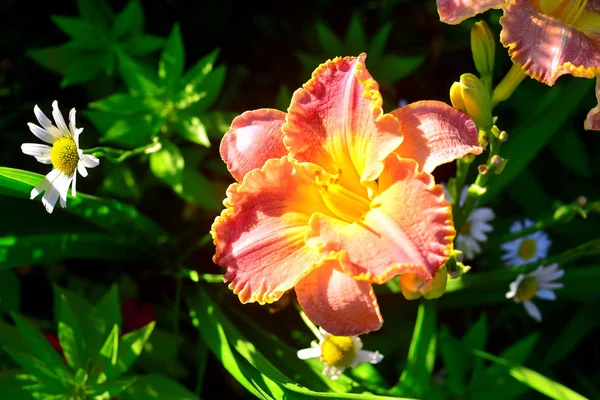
<point>338,351</point>
<point>343,202</point>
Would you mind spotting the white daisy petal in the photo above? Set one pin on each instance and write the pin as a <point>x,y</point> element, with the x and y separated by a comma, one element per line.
<point>516,227</point>
<point>313,352</point>
<point>72,127</point>
<point>73,190</point>
<point>483,214</point>
<point>50,197</point>
<point>89,161</point>
<point>545,294</point>
<point>47,181</point>
<point>81,169</point>
<point>63,189</point>
<point>533,310</point>
<point>41,133</point>
<point>41,117</point>
<point>551,285</point>
<point>371,357</point>
<point>40,151</point>
<point>60,121</point>
<point>463,196</point>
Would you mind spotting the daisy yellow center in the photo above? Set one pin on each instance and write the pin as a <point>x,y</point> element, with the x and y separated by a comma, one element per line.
<point>527,289</point>
<point>338,351</point>
<point>64,155</point>
<point>527,249</point>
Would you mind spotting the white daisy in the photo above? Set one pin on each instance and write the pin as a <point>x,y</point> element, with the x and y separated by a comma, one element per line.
<point>538,283</point>
<point>64,154</point>
<point>338,353</point>
<point>475,228</point>
<point>527,249</point>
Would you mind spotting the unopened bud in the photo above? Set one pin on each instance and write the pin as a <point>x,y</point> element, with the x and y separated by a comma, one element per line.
<point>483,48</point>
<point>503,136</point>
<point>413,286</point>
<point>483,169</point>
<point>582,200</point>
<point>564,213</point>
<point>501,165</point>
<point>471,96</point>
<point>496,160</point>
<point>454,265</point>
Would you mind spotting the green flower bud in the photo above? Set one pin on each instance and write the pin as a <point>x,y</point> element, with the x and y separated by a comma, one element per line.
<point>472,97</point>
<point>500,164</point>
<point>483,48</point>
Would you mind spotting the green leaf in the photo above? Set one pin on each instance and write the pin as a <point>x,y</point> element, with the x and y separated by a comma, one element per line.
<point>330,44</point>
<point>455,365</point>
<point>98,12</point>
<point>133,131</point>
<point>10,292</point>
<point>356,40</point>
<point>377,44</point>
<point>172,59</point>
<point>55,59</point>
<point>10,337</point>
<point>102,318</point>
<point>196,75</point>
<point>195,188</point>
<point>140,80</point>
<point>121,104</point>
<point>120,182</point>
<point>584,321</point>
<point>533,379</point>
<point>167,164</point>
<point>243,360</point>
<point>140,45</point>
<point>17,251</point>
<point>50,375</point>
<point>152,387</point>
<point>12,386</point>
<point>130,20</point>
<point>529,137</point>
<point>205,94</point>
<point>107,357</point>
<point>108,390</point>
<point>308,61</point>
<point>37,344</point>
<point>82,30</point>
<point>110,215</point>
<point>570,150</point>
<point>70,335</point>
<point>391,69</point>
<point>284,98</point>
<point>131,346</point>
<point>192,129</point>
<point>421,354</point>
<point>475,338</point>
<point>82,69</point>
<point>161,355</point>
<point>217,123</point>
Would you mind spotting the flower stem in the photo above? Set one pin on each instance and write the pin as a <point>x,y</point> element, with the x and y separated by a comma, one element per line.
<point>118,155</point>
<point>313,328</point>
<point>507,86</point>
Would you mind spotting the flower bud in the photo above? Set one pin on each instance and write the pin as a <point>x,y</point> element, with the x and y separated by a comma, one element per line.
<point>413,286</point>
<point>482,169</point>
<point>503,136</point>
<point>564,213</point>
<point>471,96</point>
<point>499,167</point>
<point>483,48</point>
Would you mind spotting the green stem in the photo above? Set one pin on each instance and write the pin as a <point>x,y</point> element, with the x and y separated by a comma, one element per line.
<point>508,85</point>
<point>313,328</point>
<point>118,155</point>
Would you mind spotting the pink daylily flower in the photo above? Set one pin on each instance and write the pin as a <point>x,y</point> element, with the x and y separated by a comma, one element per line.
<point>547,38</point>
<point>336,195</point>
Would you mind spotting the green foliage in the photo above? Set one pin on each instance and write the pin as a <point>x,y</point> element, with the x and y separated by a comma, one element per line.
<point>95,40</point>
<point>387,68</point>
<point>88,371</point>
<point>171,106</point>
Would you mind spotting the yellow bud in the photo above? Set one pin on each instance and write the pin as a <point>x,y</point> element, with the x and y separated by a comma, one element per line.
<point>456,97</point>
<point>483,48</point>
<point>472,97</point>
<point>413,286</point>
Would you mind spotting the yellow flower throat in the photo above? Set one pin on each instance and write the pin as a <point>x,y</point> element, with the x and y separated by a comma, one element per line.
<point>64,155</point>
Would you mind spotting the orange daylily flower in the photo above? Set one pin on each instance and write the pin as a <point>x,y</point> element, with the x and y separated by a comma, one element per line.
<point>547,38</point>
<point>336,195</point>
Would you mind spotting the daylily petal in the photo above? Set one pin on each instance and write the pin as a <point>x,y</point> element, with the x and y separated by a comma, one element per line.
<point>336,121</point>
<point>592,122</point>
<point>455,11</point>
<point>545,46</point>
<point>408,228</point>
<point>260,237</point>
<point>339,304</point>
<point>435,133</point>
<point>254,137</point>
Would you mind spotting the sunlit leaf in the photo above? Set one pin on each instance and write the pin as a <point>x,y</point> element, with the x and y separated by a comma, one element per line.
<point>121,103</point>
<point>131,346</point>
<point>192,129</point>
<point>170,67</point>
<point>167,164</point>
<point>70,335</point>
<point>151,387</point>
